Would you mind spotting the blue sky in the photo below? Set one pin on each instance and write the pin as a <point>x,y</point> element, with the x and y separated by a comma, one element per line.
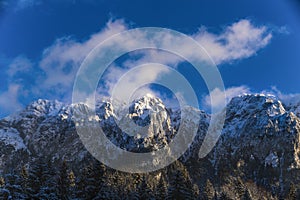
<point>42,43</point>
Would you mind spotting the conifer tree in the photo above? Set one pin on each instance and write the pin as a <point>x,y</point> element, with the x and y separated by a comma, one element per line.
<point>91,180</point>
<point>292,195</point>
<point>161,189</point>
<point>49,188</point>
<point>144,190</point>
<point>209,190</point>
<point>24,182</point>
<point>178,187</point>
<point>63,181</point>
<point>2,182</point>
<point>223,196</point>
<point>247,195</point>
<point>195,191</point>
<point>36,178</point>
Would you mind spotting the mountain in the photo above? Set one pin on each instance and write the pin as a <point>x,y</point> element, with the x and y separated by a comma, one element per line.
<point>261,139</point>
<point>256,156</point>
<point>259,127</point>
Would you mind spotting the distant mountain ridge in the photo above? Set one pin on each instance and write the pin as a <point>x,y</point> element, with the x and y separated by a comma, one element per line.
<point>260,136</point>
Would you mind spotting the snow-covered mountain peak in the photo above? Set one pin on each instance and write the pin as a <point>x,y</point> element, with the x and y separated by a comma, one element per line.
<point>106,110</point>
<point>147,102</point>
<point>148,108</point>
<point>253,104</point>
<point>42,107</point>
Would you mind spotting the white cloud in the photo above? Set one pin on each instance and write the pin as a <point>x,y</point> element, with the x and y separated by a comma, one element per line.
<point>288,99</point>
<point>60,61</point>
<point>57,68</point>
<point>239,40</point>
<point>23,4</point>
<point>282,30</point>
<point>20,64</point>
<point>218,96</point>
<point>124,82</point>
<point>9,99</point>
<point>154,56</point>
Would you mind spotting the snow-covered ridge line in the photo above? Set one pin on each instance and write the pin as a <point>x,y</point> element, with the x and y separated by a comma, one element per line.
<point>49,127</point>
<point>43,107</point>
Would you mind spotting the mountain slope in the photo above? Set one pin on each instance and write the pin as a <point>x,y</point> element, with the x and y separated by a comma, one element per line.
<point>258,149</point>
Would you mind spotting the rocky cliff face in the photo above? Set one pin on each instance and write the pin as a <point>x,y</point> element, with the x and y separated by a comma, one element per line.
<point>259,127</point>
<point>259,141</point>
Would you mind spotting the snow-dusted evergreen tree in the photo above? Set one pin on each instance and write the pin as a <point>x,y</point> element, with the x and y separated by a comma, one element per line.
<point>108,186</point>
<point>195,189</point>
<point>72,184</point>
<point>223,196</point>
<point>37,178</point>
<point>24,177</point>
<point>247,195</point>
<point>240,188</point>
<point>134,192</point>
<point>2,182</point>
<point>144,190</point>
<point>13,185</point>
<point>91,187</point>
<point>161,189</point>
<point>62,181</point>
<point>209,191</point>
<point>180,186</point>
<point>108,192</point>
<point>292,195</point>
<point>80,186</point>
<point>91,180</point>
<point>4,193</point>
<point>49,189</point>
<point>132,195</point>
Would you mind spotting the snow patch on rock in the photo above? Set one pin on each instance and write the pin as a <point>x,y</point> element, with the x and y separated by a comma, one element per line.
<point>12,137</point>
<point>272,160</point>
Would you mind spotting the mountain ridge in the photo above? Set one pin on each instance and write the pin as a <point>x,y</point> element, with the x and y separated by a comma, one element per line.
<point>259,134</point>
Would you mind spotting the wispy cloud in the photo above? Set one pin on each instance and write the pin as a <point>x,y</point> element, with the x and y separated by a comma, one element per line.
<point>289,99</point>
<point>60,61</point>
<point>3,4</point>
<point>122,81</point>
<point>20,64</point>
<point>19,5</point>
<point>239,40</point>
<point>9,100</point>
<point>53,75</point>
<point>218,96</point>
